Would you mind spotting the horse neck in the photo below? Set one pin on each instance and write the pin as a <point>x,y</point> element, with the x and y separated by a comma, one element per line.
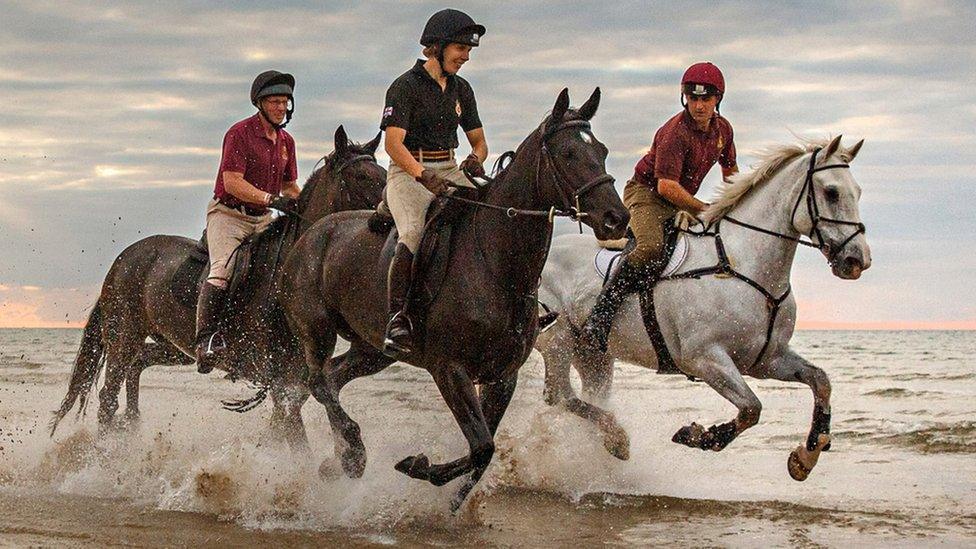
<point>520,244</point>
<point>765,258</point>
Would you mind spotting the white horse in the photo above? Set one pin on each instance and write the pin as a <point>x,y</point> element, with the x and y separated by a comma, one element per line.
<point>720,320</point>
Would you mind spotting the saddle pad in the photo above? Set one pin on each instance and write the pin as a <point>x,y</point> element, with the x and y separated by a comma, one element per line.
<point>604,258</point>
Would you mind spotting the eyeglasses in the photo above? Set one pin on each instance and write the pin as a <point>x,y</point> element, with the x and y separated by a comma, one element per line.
<point>277,102</point>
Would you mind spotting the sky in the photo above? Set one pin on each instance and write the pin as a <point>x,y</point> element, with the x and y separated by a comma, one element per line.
<point>112,116</point>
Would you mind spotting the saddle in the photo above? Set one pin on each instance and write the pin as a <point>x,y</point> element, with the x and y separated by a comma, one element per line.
<point>192,273</point>
<point>434,253</point>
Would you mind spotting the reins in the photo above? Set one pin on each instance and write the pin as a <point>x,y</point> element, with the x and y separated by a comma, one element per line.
<point>724,269</point>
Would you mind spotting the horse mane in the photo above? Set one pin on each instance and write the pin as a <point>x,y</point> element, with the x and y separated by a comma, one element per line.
<point>771,161</point>
<point>328,162</point>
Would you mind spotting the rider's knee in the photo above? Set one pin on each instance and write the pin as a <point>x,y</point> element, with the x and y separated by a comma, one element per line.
<point>411,239</point>
<point>217,281</point>
<point>645,254</point>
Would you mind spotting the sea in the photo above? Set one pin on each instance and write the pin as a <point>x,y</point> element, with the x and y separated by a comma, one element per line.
<point>901,471</point>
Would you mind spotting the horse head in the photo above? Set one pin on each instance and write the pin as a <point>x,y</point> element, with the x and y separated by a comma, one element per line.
<point>572,173</point>
<point>827,210</point>
<point>349,179</point>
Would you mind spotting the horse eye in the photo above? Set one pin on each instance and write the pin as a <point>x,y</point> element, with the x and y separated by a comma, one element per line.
<point>831,194</point>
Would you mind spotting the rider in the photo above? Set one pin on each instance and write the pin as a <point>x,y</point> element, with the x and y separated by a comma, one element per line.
<point>257,163</point>
<point>423,110</point>
<point>665,181</point>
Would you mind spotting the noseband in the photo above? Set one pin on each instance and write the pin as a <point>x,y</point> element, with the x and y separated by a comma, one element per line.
<point>345,187</point>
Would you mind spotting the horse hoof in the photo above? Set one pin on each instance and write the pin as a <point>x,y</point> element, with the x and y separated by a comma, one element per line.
<point>802,461</point>
<point>415,467</point>
<point>617,442</point>
<point>353,462</point>
<point>689,435</point>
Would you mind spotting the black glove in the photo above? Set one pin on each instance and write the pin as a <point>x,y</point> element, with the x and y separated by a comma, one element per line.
<point>433,182</point>
<point>284,205</point>
<point>472,166</point>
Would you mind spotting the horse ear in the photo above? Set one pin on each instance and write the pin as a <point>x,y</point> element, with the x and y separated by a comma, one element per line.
<point>831,147</point>
<point>374,144</point>
<point>560,108</point>
<point>589,108</point>
<point>341,141</point>
<point>852,152</point>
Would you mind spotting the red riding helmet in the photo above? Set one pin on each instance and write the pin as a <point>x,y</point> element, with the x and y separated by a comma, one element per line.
<point>703,79</point>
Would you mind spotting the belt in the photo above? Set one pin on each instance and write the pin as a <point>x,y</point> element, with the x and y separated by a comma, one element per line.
<point>433,156</point>
<point>245,209</point>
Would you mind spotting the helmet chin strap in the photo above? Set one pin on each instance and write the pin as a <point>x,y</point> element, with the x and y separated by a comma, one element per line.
<point>288,113</point>
<point>440,58</point>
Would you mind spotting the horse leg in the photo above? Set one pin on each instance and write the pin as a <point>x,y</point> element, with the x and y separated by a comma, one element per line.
<point>792,367</point>
<point>719,371</point>
<point>286,417</point>
<point>556,356</point>
<point>461,397</point>
<point>326,382</point>
<point>132,375</point>
<point>120,355</point>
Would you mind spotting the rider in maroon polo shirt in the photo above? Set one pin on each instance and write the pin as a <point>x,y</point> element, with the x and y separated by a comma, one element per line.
<point>665,181</point>
<point>257,167</point>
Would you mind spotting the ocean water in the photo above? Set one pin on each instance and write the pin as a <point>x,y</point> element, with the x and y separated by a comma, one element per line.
<point>901,471</point>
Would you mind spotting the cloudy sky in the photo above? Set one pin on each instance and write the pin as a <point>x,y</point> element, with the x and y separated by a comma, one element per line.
<point>112,115</point>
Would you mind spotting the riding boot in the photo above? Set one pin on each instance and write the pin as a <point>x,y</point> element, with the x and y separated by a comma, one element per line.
<point>665,363</point>
<point>209,342</point>
<point>398,341</point>
<point>595,334</point>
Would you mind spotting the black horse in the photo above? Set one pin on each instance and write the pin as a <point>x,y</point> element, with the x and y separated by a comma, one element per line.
<point>481,322</point>
<point>141,297</point>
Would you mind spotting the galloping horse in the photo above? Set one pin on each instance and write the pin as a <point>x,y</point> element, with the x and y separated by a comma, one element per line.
<point>137,302</point>
<point>727,311</point>
<point>481,323</point>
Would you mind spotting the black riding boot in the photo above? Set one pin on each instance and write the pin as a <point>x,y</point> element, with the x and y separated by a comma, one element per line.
<point>595,334</point>
<point>209,342</point>
<point>398,341</point>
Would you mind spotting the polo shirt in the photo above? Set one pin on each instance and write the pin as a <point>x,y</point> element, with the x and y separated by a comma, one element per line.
<point>684,153</point>
<point>430,116</point>
<point>265,164</point>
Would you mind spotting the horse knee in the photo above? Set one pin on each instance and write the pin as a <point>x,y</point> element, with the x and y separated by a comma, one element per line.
<point>749,415</point>
<point>821,384</point>
<point>481,456</point>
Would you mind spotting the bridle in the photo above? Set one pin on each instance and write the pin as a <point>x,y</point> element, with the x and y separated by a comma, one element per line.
<point>813,211</point>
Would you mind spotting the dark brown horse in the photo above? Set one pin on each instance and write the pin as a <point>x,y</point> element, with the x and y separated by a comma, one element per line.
<point>139,299</point>
<point>481,323</point>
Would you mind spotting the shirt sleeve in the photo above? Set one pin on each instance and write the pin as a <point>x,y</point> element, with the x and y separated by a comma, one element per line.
<point>291,170</point>
<point>727,157</point>
<point>669,156</point>
<point>397,109</point>
<point>469,109</point>
<point>233,157</point>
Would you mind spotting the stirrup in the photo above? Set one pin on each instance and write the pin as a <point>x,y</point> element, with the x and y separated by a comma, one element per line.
<point>547,321</point>
<point>392,348</point>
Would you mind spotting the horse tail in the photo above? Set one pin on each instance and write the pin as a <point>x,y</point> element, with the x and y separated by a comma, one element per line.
<point>88,364</point>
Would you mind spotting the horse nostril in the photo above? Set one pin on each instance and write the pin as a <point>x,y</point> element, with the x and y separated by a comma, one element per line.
<point>851,262</point>
<point>611,221</point>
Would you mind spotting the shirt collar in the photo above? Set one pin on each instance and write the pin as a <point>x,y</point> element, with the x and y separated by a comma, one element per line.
<point>257,128</point>
<point>418,68</point>
<point>690,122</point>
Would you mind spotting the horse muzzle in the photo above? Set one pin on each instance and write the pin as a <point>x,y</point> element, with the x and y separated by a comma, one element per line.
<point>609,225</point>
<point>849,266</point>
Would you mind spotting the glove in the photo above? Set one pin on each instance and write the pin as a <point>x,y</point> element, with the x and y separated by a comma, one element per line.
<point>433,182</point>
<point>472,166</point>
<point>683,220</point>
<point>284,205</point>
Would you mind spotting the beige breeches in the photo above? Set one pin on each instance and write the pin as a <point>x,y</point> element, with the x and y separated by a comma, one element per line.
<point>226,229</point>
<point>408,200</point>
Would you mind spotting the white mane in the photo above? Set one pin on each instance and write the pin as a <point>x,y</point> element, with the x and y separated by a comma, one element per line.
<point>771,161</point>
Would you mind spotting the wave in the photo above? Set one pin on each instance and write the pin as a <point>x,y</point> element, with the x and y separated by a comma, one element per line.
<point>931,438</point>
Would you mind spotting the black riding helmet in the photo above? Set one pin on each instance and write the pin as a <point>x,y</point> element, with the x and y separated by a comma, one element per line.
<point>450,26</point>
<point>274,83</point>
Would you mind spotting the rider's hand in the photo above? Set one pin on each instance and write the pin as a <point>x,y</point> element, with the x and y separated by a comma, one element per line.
<point>683,220</point>
<point>472,166</point>
<point>284,204</point>
<point>433,182</point>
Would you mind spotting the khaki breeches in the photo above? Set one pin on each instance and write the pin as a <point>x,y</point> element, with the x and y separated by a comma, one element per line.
<point>648,215</point>
<point>408,200</point>
<point>226,229</point>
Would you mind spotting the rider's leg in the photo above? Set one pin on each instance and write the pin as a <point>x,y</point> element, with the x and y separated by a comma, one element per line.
<point>648,215</point>
<point>226,229</point>
<point>408,201</point>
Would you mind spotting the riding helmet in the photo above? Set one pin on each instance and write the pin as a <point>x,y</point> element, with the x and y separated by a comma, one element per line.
<point>451,26</point>
<point>272,83</point>
<point>703,79</point>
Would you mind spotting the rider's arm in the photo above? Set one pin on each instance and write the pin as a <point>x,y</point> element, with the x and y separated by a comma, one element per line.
<point>479,145</point>
<point>239,188</point>
<point>393,144</point>
<point>677,195</point>
<point>291,189</point>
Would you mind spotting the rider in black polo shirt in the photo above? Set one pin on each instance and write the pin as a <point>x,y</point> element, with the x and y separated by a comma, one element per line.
<point>423,110</point>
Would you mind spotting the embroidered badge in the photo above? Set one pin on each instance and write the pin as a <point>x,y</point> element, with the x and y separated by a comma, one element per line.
<point>721,142</point>
<point>284,154</point>
<point>457,108</point>
<point>387,112</point>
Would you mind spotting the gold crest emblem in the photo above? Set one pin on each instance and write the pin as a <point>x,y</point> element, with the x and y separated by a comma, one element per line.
<point>284,154</point>
<point>457,108</point>
<point>721,142</point>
